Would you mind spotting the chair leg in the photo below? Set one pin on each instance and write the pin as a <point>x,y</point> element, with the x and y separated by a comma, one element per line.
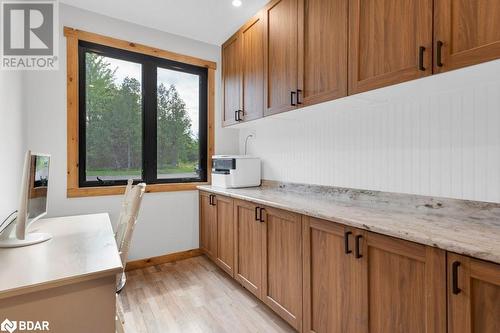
<point>122,279</point>
<point>119,318</point>
<point>119,326</point>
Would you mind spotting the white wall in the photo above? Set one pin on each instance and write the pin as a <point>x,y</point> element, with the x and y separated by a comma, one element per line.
<point>11,140</point>
<point>437,136</point>
<point>168,221</point>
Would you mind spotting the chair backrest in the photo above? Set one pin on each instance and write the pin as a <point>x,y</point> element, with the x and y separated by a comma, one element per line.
<point>128,218</point>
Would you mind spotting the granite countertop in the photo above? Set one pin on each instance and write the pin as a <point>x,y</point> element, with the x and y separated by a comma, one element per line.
<point>466,227</point>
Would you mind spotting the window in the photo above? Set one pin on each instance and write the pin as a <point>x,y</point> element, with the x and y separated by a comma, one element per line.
<point>140,117</point>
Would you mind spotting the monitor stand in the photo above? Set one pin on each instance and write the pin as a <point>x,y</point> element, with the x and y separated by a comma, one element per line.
<point>9,238</point>
<point>30,239</point>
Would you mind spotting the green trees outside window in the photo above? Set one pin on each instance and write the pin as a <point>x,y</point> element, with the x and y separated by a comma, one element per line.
<point>114,121</point>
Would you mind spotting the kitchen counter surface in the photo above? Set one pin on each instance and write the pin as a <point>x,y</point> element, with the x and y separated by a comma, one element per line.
<point>466,227</point>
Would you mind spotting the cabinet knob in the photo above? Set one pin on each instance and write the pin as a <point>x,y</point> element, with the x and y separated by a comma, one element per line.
<point>292,99</point>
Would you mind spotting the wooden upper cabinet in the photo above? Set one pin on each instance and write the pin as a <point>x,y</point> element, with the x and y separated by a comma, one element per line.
<point>385,40</point>
<point>473,295</point>
<point>280,56</point>
<point>322,50</point>
<point>231,79</point>
<point>330,278</point>
<point>208,225</point>
<point>282,264</point>
<point>225,234</point>
<point>296,53</point>
<point>403,285</point>
<point>468,30</point>
<point>248,235</point>
<point>252,35</point>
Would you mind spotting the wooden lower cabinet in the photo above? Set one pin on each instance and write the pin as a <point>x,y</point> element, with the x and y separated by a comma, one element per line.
<point>225,234</point>
<point>324,277</point>
<point>403,285</point>
<point>208,225</point>
<point>362,282</point>
<point>328,278</point>
<point>217,230</point>
<point>269,257</point>
<point>473,295</point>
<point>248,238</point>
<point>282,264</point>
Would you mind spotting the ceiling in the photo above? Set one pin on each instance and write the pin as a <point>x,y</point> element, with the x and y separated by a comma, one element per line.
<point>210,21</point>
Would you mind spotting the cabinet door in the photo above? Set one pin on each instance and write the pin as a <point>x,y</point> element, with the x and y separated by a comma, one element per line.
<point>403,285</point>
<point>385,37</point>
<point>225,234</point>
<point>473,295</point>
<point>329,278</point>
<point>248,242</point>
<point>280,56</point>
<point>208,226</point>
<point>468,31</point>
<point>322,47</point>
<point>252,36</point>
<point>231,78</point>
<point>282,266</point>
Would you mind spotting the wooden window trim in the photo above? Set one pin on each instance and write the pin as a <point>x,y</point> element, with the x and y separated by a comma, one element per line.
<point>72,38</point>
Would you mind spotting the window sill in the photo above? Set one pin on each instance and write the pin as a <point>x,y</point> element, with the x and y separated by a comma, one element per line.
<point>118,190</point>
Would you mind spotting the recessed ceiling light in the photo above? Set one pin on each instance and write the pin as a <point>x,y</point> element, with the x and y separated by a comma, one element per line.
<point>237,3</point>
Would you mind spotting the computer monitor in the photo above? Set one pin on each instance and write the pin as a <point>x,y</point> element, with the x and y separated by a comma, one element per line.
<point>32,202</point>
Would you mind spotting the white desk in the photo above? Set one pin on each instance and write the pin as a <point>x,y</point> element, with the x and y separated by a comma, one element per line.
<point>69,280</point>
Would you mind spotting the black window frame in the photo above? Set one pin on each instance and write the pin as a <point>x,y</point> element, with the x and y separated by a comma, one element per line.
<point>150,66</point>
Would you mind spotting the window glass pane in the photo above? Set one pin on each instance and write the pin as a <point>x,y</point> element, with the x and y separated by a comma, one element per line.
<point>178,124</point>
<point>113,118</point>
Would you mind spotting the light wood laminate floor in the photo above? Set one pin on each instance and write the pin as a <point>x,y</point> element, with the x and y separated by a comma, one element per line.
<point>193,295</point>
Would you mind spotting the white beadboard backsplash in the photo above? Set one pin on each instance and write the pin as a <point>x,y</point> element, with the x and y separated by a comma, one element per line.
<point>437,136</point>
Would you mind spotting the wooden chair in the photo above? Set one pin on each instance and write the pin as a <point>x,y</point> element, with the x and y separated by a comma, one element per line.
<point>123,236</point>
